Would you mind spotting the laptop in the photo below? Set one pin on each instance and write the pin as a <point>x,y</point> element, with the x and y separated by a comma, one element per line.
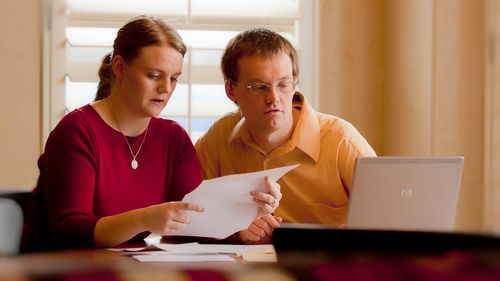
<point>405,193</point>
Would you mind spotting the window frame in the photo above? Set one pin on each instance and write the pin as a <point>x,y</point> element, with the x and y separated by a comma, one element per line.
<point>54,55</point>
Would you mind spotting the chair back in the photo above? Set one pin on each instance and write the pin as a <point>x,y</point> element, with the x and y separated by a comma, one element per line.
<point>11,225</point>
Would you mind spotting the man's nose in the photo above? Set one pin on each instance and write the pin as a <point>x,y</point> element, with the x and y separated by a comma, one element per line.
<point>272,94</point>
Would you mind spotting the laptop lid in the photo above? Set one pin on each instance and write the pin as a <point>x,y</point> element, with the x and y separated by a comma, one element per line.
<point>405,193</point>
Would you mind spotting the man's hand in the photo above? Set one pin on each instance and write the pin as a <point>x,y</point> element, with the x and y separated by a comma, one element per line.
<point>260,230</point>
<point>270,200</point>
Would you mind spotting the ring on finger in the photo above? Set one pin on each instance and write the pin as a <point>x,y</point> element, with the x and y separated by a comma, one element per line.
<point>274,203</point>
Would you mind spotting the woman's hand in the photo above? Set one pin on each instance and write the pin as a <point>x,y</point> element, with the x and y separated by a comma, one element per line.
<point>269,201</point>
<point>168,218</point>
<point>164,219</point>
<point>260,230</point>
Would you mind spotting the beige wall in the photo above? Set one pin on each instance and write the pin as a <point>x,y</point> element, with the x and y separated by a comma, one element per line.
<point>407,93</point>
<point>352,64</point>
<point>20,85</point>
<point>410,75</point>
<point>458,97</point>
<point>492,124</point>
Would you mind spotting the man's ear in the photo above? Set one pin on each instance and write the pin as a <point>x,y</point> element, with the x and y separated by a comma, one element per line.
<point>230,91</point>
<point>118,66</point>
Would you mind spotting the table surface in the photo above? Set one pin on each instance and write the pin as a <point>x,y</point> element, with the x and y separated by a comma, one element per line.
<point>100,264</point>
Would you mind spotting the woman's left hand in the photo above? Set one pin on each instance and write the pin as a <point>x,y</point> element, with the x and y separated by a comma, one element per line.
<point>270,200</point>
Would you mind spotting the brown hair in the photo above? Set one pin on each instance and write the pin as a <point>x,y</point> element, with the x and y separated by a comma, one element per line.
<point>258,41</point>
<point>139,32</point>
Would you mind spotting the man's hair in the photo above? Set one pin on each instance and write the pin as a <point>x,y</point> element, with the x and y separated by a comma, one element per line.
<point>259,41</point>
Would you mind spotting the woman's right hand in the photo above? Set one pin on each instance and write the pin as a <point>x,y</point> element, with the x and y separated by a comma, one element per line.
<point>168,218</point>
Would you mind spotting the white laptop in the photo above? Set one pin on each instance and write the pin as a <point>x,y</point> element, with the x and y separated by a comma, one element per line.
<point>405,193</point>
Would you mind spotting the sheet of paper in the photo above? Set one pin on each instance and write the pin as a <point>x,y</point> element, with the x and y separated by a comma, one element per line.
<point>259,257</point>
<point>207,252</point>
<point>215,248</point>
<point>154,248</point>
<point>228,204</point>
<point>184,258</point>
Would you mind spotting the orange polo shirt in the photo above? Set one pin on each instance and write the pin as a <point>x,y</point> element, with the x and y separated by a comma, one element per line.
<point>326,147</point>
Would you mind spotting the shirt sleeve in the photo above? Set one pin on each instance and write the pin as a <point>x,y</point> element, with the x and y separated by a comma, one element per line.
<point>69,181</point>
<point>352,146</point>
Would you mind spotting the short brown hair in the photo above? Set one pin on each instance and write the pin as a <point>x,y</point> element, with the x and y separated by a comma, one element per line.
<point>258,41</point>
<point>139,32</point>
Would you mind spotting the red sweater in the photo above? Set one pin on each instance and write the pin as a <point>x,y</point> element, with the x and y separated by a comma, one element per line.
<point>85,173</point>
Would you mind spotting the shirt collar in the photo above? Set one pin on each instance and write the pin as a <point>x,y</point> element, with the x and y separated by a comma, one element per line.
<point>240,131</point>
<point>306,135</point>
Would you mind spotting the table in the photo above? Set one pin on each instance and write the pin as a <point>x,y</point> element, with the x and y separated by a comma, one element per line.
<point>99,264</point>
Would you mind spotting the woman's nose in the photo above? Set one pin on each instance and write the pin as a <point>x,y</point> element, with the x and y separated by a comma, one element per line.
<point>165,86</point>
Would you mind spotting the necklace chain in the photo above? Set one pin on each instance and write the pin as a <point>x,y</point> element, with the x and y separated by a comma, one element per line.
<point>134,163</point>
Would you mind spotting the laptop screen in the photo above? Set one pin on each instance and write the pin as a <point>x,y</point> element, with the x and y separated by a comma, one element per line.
<point>405,193</point>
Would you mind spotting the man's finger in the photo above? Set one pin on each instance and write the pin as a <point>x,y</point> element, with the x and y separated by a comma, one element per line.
<point>271,220</point>
<point>258,229</point>
<point>249,236</point>
<point>272,187</point>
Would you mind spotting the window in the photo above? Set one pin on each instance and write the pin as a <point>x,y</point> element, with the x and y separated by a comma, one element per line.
<point>81,32</point>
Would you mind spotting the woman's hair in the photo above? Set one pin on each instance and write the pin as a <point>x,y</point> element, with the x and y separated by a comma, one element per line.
<point>139,32</point>
<point>262,42</point>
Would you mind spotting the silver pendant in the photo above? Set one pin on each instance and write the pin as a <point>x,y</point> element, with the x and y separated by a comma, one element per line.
<point>134,164</point>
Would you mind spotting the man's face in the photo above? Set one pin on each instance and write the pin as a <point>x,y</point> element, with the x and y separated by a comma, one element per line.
<point>267,110</point>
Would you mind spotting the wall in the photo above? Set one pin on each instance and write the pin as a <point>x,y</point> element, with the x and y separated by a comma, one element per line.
<point>20,83</point>
<point>458,98</point>
<point>410,76</point>
<point>351,69</point>
<point>492,120</point>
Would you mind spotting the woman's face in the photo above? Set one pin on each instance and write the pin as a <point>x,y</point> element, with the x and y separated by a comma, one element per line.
<point>149,80</point>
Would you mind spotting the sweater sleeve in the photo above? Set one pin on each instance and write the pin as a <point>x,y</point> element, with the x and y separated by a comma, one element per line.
<point>69,172</point>
<point>186,174</point>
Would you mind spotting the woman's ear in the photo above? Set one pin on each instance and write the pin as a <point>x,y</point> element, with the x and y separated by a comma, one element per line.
<point>230,91</point>
<point>118,66</point>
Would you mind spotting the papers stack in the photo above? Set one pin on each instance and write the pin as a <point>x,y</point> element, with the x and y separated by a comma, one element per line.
<point>190,252</point>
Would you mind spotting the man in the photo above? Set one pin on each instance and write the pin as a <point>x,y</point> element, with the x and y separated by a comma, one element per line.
<point>275,126</point>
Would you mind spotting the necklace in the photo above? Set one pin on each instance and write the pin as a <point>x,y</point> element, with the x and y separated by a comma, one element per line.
<point>134,164</point>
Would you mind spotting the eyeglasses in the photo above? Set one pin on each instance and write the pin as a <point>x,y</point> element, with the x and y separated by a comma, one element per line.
<point>282,87</point>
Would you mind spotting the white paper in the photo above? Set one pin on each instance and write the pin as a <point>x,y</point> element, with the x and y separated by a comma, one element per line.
<point>152,239</point>
<point>183,258</point>
<point>228,204</point>
<point>153,248</point>
<point>195,248</point>
<point>207,252</point>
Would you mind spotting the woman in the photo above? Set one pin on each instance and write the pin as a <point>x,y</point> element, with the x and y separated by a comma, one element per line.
<point>110,166</point>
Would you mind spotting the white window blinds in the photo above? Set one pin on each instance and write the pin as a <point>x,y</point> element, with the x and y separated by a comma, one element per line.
<point>88,28</point>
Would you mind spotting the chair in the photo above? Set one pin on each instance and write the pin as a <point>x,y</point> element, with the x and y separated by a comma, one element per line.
<point>11,221</point>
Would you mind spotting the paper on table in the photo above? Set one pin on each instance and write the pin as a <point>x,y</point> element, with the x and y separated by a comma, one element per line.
<point>195,248</point>
<point>183,258</point>
<point>150,241</point>
<point>208,252</point>
<point>228,204</point>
